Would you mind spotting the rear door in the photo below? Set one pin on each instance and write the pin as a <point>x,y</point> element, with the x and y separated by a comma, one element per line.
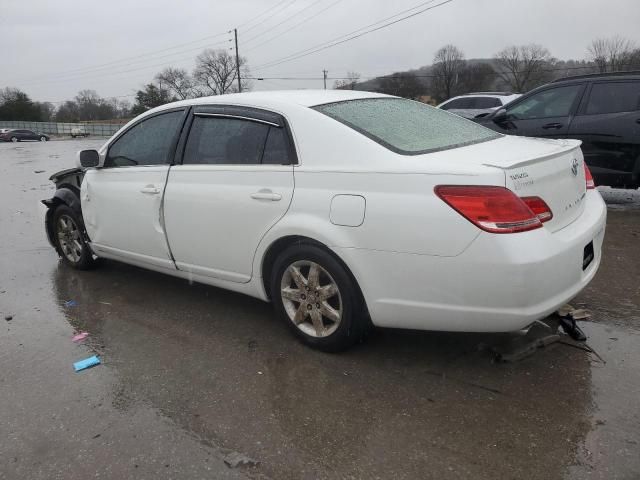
<point>235,182</point>
<point>121,202</point>
<point>546,113</point>
<point>608,123</point>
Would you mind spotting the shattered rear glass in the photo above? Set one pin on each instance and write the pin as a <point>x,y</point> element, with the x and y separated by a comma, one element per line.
<point>405,126</point>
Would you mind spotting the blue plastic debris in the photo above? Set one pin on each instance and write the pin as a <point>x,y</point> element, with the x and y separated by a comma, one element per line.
<point>70,303</point>
<point>86,363</point>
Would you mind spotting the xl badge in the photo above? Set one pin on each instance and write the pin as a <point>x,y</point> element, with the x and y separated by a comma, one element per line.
<point>574,167</point>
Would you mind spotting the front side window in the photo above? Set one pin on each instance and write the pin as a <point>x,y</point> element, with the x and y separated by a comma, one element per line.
<point>146,143</point>
<point>217,140</point>
<point>554,102</point>
<point>405,126</point>
<point>614,97</point>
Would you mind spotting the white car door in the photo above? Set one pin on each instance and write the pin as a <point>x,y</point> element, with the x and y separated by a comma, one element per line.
<point>121,202</point>
<point>235,182</point>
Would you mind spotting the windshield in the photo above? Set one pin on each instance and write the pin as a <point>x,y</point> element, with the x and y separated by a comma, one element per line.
<point>405,126</point>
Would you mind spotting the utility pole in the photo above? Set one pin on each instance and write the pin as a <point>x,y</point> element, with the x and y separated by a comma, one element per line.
<point>324,75</point>
<point>235,32</point>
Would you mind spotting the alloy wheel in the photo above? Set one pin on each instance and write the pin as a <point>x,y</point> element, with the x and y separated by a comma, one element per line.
<point>311,298</point>
<point>69,238</point>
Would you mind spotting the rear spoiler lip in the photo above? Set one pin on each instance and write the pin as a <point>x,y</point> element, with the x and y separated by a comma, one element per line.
<point>566,146</point>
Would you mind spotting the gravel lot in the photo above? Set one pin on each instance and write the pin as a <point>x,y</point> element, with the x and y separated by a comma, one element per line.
<point>192,374</point>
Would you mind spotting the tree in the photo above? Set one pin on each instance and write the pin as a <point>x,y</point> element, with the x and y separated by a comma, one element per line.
<point>612,54</point>
<point>401,84</point>
<point>476,77</point>
<point>524,67</point>
<point>16,105</point>
<point>448,64</point>
<point>47,111</point>
<point>178,81</point>
<point>348,83</point>
<point>150,97</point>
<point>68,112</point>
<point>215,72</point>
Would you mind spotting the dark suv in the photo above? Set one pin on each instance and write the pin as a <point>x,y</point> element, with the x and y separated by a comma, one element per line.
<point>602,110</point>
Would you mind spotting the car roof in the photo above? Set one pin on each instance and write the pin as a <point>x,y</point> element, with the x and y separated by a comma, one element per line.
<point>635,75</point>
<point>278,99</point>
<point>491,94</point>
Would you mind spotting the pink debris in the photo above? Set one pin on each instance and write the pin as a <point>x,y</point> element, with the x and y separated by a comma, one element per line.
<point>79,337</point>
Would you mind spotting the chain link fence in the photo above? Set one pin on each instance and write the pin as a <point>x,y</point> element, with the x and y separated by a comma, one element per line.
<point>65,129</point>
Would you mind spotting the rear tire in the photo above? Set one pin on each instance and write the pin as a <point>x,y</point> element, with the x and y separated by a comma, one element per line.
<point>317,298</point>
<point>14,139</point>
<point>70,239</point>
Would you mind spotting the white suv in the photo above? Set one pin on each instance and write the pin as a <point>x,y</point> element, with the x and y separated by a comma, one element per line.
<point>472,105</point>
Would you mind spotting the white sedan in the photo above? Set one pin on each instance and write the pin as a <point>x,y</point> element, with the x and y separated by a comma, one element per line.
<point>345,209</point>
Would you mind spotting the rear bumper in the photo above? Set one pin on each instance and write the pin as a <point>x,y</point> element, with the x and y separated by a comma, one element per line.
<point>499,283</point>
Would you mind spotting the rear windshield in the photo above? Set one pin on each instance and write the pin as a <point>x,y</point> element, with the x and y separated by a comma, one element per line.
<point>405,126</point>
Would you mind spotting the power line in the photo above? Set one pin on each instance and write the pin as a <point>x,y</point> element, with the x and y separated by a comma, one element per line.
<point>354,34</point>
<point>93,73</point>
<point>274,13</point>
<point>260,14</point>
<point>283,21</point>
<point>302,22</point>
<point>147,54</point>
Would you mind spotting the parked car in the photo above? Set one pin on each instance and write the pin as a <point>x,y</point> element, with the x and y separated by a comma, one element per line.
<point>473,105</point>
<point>18,135</point>
<point>343,208</point>
<point>601,110</point>
<point>79,132</point>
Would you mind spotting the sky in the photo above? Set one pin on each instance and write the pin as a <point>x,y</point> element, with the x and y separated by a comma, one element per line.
<point>53,49</point>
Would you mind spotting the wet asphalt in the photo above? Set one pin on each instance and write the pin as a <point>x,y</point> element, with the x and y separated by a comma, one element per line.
<point>192,374</point>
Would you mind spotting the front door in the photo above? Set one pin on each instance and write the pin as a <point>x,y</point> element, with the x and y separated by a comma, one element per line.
<point>121,202</point>
<point>547,113</point>
<point>235,182</point>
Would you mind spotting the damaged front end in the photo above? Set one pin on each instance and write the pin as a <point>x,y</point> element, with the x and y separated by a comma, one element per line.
<point>67,192</point>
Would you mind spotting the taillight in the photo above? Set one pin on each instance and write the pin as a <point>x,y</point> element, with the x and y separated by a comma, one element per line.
<point>539,207</point>
<point>493,209</point>
<point>589,178</point>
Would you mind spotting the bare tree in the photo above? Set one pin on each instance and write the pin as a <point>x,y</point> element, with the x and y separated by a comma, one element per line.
<point>403,84</point>
<point>612,54</point>
<point>215,72</point>
<point>348,83</point>
<point>524,67</point>
<point>448,63</point>
<point>178,81</point>
<point>476,77</point>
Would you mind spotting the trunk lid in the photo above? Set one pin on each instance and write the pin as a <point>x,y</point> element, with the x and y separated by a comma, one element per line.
<point>552,170</point>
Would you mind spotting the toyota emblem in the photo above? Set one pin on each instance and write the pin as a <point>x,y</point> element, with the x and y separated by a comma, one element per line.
<point>574,167</point>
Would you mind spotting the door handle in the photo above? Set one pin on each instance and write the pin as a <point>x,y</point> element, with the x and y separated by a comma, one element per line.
<point>266,195</point>
<point>150,190</point>
<point>552,125</point>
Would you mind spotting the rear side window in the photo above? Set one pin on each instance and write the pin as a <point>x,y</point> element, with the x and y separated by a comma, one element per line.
<point>146,143</point>
<point>231,141</point>
<point>487,102</point>
<point>405,126</point>
<point>458,104</point>
<point>614,97</point>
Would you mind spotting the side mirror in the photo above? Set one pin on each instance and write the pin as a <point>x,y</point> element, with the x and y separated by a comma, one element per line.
<point>89,158</point>
<point>500,116</point>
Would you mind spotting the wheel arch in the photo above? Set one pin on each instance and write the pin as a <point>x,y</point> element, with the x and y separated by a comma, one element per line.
<point>281,244</point>
<point>65,195</point>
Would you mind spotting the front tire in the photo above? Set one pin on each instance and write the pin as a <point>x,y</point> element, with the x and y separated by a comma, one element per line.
<point>317,298</point>
<point>69,238</point>
<point>43,139</point>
